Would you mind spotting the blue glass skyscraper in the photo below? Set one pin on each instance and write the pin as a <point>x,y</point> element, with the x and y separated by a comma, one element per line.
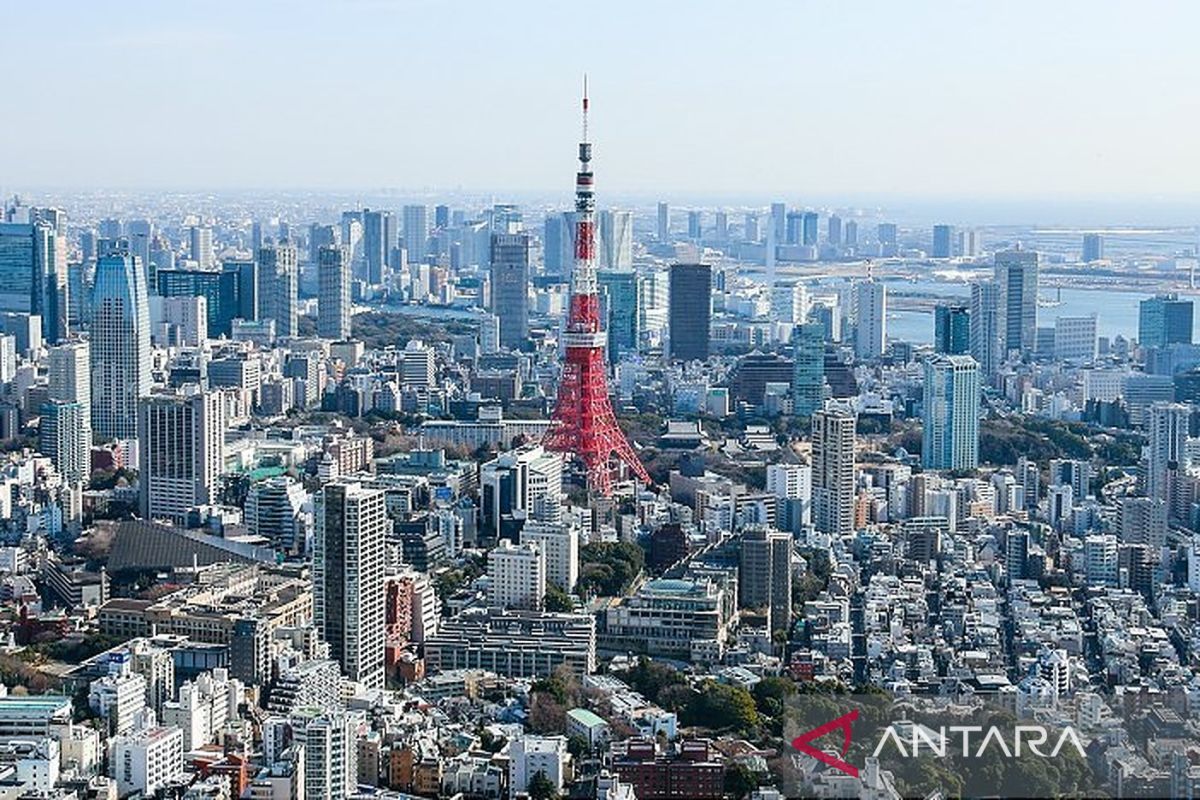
<point>120,345</point>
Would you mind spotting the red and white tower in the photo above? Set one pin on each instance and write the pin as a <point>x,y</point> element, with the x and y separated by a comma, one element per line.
<point>583,423</point>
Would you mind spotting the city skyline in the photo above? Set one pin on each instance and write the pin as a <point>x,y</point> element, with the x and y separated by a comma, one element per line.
<point>1002,128</point>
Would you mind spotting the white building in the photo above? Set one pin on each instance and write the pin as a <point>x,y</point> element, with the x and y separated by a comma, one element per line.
<point>70,372</point>
<point>559,544</point>
<point>789,303</point>
<point>146,761</point>
<point>203,707</point>
<point>179,320</point>
<point>419,366</point>
<point>833,471</point>
<point>333,296</point>
<point>181,451</point>
<point>790,481</point>
<point>1075,338</point>
<point>119,697</point>
<point>517,575</point>
<point>871,328</point>
<point>530,755</point>
<point>1100,560</point>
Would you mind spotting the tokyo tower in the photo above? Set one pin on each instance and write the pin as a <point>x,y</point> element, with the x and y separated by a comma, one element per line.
<point>583,423</point>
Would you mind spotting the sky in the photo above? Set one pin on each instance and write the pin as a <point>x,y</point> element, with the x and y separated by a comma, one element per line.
<point>797,99</point>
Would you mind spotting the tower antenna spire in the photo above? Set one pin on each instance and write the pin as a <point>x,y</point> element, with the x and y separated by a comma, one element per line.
<point>585,107</point>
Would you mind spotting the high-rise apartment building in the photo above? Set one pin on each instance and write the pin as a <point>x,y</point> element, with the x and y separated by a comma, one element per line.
<point>1166,454</point>
<point>987,328</point>
<point>63,438</point>
<point>1016,279</point>
<point>70,379</point>
<point>950,439</point>
<point>333,297</point>
<point>510,287</point>
<point>348,563</point>
<point>833,470</point>
<point>871,329</point>
<point>119,345</point>
<point>765,573</point>
<point>690,316</point>
<point>181,452</point>
<point>1093,248</point>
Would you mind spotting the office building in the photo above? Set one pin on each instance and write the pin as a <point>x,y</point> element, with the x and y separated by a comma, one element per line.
<point>1016,279</point>
<point>533,755</point>
<point>274,511</point>
<point>750,227</point>
<point>765,572</point>
<point>148,762</point>
<point>664,222</point>
<point>833,470</point>
<point>950,439</point>
<point>419,366</point>
<point>620,291</point>
<point>510,287</point>
<point>516,575</point>
<point>952,330</point>
<point>181,452</point>
<point>119,346</point>
<point>519,484</point>
<point>695,225</point>
<point>943,241</point>
<point>333,298</point>
<point>220,290</point>
<point>615,240</point>
<point>1075,338</point>
<point>811,229</point>
<point>201,250</point>
<point>278,284</point>
<point>556,245</point>
<point>690,316</point>
<point>1164,319</point>
<point>33,273</point>
<point>351,523</point>
<point>1093,248</point>
<point>808,378</point>
<point>670,617</point>
<point>789,303</point>
<point>870,338</point>
<point>379,237</point>
<point>416,232</point>
<point>834,230</point>
<point>514,644</point>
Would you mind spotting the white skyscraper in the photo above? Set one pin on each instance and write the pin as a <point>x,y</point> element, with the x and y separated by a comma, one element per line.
<point>833,470</point>
<point>181,451</point>
<point>419,369</point>
<point>871,330</point>
<point>333,299</point>
<point>516,575</point>
<point>201,240</point>
<point>69,367</point>
<point>616,240</point>
<point>1167,427</point>
<point>278,284</point>
<point>789,303</point>
<point>119,345</point>
<point>348,565</point>
<point>559,544</point>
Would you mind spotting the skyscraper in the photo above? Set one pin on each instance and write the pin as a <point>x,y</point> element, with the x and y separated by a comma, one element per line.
<point>441,217</point>
<point>721,228</point>
<point>695,225</point>
<point>750,227</point>
<point>120,345</point>
<point>1093,248</point>
<point>416,232</point>
<point>63,438</point>
<point>510,287</point>
<point>33,274</point>
<point>621,291</point>
<point>950,439</point>
<point>278,280</point>
<point>987,327</point>
<point>886,233</point>
<point>333,298</point>
<point>70,379</point>
<point>811,229</point>
<point>808,381</point>
<point>616,240</point>
<point>1016,277</point>
<point>273,510</point>
<point>833,470</point>
<point>951,329</point>
<point>181,452</point>
<point>348,563</point>
<point>556,241</point>
<point>1164,319</point>
<point>664,222</point>
<point>201,246</point>
<point>779,221</point>
<point>690,313</point>
<point>1167,428</point>
<point>871,330</point>
<point>220,289</point>
<point>765,573</point>
<point>379,236</point>
<point>795,228</point>
<point>834,227</point>
<point>943,241</point>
